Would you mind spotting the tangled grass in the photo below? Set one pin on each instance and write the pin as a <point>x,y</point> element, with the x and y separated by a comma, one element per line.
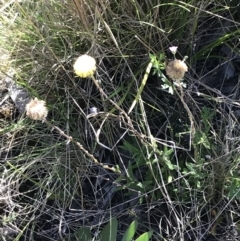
<point>129,143</point>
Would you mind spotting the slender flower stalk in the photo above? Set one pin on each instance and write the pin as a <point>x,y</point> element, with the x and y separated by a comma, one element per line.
<point>85,66</point>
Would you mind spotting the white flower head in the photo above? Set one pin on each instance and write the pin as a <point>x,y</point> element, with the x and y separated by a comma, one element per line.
<point>93,110</point>
<point>85,66</point>
<point>173,49</point>
<point>36,109</point>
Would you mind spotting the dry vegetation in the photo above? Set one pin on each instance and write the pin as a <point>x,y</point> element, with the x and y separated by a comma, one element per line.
<point>135,141</point>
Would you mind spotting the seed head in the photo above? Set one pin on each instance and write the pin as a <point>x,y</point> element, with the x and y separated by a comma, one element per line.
<point>36,109</point>
<point>85,66</point>
<point>176,69</point>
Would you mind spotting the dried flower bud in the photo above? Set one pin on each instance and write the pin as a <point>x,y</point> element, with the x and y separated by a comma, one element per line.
<point>85,66</point>
<point>176,69</point>
<point>36,109</point>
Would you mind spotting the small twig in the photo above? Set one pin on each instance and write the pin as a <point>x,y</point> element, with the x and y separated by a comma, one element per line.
<point>71,139</point>
<point>190,116</point>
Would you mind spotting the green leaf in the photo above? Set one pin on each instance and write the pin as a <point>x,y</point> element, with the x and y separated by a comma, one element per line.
<point>109,233</point>
<point>129,147</point>
<point>145,236</point>
<point>234,189</point>
<point>130,172</point>
<point>83,234</point>
<point>201,138</point>
<point>130,231</point>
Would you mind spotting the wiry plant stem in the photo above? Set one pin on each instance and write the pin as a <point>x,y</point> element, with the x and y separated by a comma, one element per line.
<point>71,139</point>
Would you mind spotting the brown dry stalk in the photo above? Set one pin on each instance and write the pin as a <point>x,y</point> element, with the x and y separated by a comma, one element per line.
<point>71,139</point>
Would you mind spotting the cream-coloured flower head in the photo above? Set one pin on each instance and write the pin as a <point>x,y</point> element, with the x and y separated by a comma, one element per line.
<point>36,109</point>
<point>85,66</point>
<point>176,69</point>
